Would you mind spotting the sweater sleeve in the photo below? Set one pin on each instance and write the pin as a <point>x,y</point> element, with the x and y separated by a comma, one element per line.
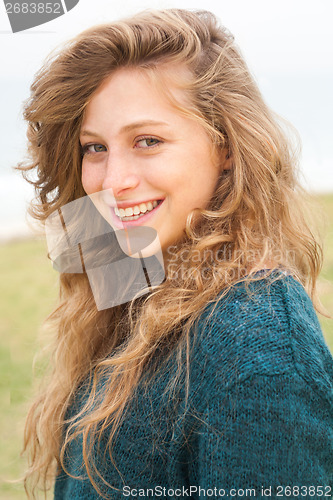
<point>266,379</point>
<point>268,432</point>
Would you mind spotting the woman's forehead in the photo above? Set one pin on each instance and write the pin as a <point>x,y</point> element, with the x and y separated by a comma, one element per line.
<point>162,86</point>
<point>162,76</point>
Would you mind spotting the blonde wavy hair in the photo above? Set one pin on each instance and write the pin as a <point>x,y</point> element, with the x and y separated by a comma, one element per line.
<point>255,217</point>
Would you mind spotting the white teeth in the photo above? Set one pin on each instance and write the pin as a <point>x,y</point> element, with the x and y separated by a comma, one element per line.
<point>133,213</point>
<point>132,218</point>
<point>128,211</point>
<point>143,207</point>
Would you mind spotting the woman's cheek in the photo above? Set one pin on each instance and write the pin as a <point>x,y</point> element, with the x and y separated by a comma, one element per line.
<point>92,180</point>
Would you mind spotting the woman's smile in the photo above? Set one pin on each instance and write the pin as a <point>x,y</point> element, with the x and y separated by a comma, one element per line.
<point>135,215</point>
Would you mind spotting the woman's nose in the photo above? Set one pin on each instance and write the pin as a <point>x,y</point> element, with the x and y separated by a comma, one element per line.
<point>120,175</point>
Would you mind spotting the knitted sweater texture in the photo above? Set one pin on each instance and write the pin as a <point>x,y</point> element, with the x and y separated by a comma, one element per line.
<point>259,417</point>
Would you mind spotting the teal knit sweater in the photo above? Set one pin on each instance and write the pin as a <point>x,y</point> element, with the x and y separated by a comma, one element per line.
<point>259,419</point>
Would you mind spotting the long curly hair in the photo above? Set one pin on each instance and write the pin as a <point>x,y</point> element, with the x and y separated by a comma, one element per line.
<point>256,216</point>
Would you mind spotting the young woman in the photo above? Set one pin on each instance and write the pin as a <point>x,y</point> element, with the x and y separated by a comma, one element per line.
<point>217,381</point>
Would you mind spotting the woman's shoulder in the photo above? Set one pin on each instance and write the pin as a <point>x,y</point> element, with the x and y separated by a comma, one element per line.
<point>264,327</point>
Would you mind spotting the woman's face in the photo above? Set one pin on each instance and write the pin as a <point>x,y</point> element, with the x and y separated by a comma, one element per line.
<point>158,164</point>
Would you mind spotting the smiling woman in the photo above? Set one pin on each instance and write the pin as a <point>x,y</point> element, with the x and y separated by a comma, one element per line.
<point>218,379</point>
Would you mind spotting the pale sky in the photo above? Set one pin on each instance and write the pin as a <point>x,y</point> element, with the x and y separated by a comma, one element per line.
<point>289,35</point>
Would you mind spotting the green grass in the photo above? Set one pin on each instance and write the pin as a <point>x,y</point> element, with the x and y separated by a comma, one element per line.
<point>28,290</point>
<point>325,284</point>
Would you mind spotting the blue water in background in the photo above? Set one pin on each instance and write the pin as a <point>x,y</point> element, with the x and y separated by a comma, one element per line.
<point>15,193</point>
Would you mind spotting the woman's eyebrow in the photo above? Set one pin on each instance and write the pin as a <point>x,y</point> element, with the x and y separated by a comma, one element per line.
<point>129,127</point>
<point>143,123</point>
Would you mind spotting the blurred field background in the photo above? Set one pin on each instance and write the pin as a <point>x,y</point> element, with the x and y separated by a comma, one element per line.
<point>28,290</point>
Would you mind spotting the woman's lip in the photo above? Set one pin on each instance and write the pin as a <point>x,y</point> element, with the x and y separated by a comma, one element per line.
<point>137,222</point>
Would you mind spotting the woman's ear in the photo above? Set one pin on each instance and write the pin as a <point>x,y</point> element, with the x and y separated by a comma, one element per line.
<point>226,159</point>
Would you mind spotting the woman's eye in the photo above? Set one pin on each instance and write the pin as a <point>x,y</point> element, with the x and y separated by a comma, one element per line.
<point>93,148</point>
<point>147,142</point>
